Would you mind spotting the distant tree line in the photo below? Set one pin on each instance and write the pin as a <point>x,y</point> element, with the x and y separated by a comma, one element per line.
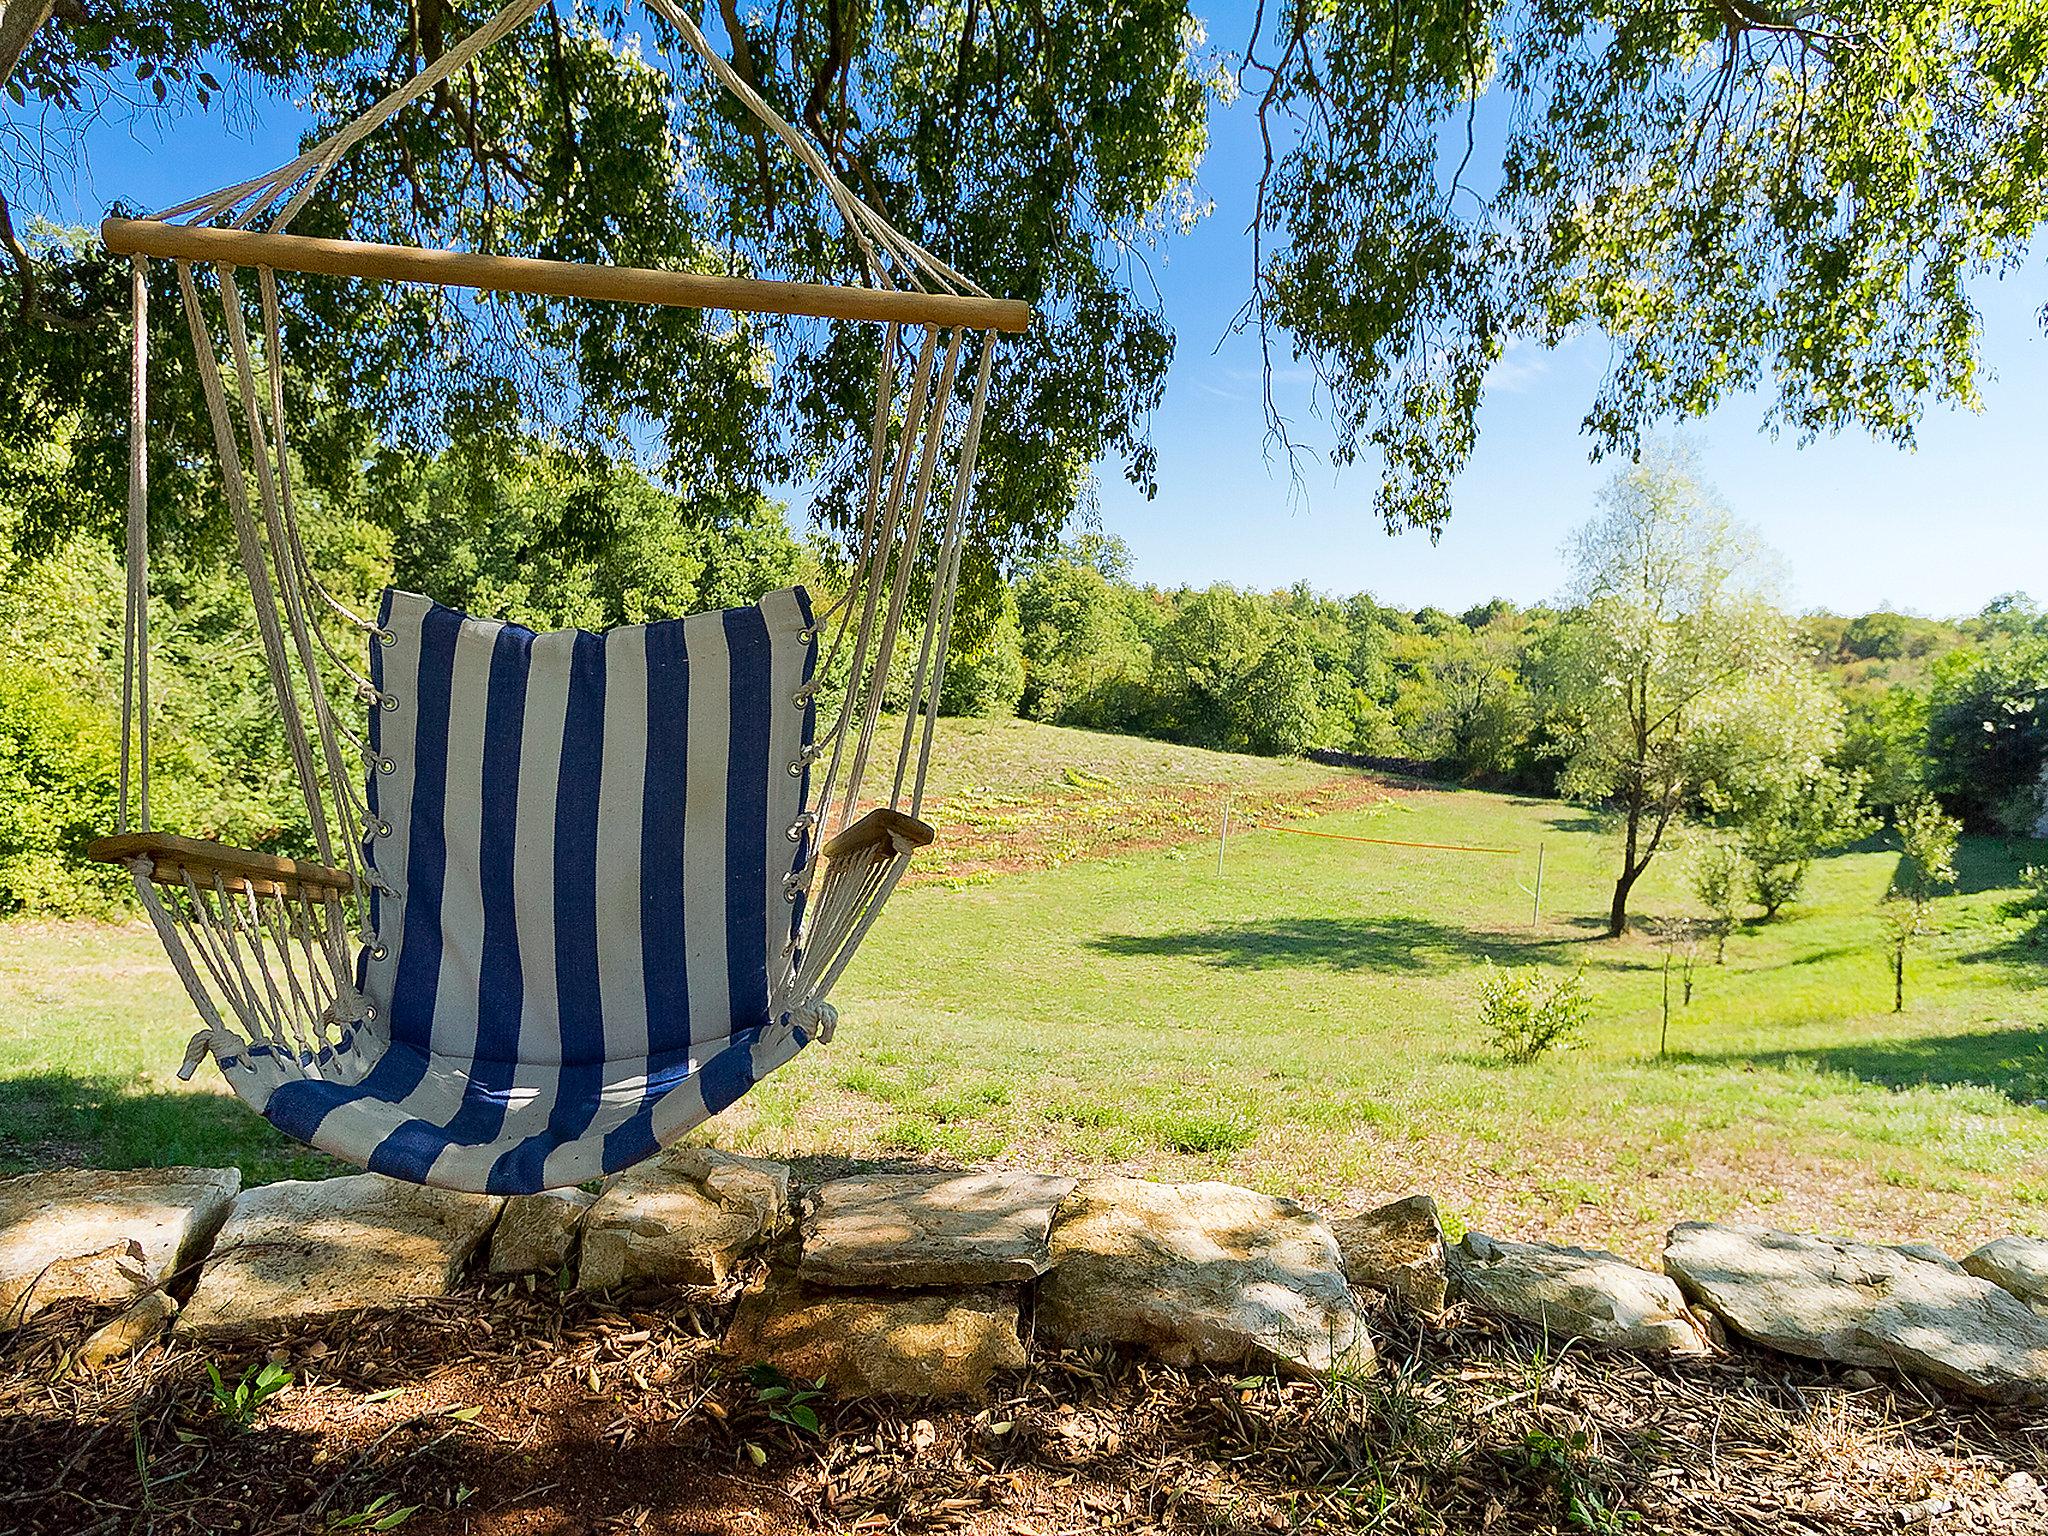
<point>1664,684</point>
<point>1958,708</point>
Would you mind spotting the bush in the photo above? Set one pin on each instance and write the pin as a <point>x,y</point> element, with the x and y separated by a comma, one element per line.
<point>2031,905</point>
<point>58,785</point>
<point>1525,1012</point>
<point>1987,734</point>
<point>985,677</point>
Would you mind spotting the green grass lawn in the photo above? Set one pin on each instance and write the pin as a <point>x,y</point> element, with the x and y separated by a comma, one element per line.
<point>1302,1022</point>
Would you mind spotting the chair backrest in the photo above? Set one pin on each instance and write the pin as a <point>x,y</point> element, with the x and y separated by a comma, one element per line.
<point>581,842</point>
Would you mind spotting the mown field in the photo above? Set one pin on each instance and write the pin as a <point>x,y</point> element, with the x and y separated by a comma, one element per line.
<point>1073,984</point>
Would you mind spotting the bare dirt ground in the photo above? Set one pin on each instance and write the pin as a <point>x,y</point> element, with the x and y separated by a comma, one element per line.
<point>511,1410</point>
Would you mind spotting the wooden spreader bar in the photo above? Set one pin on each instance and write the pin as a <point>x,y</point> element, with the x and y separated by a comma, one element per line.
<point>555,279</point>
<point>172,858</point>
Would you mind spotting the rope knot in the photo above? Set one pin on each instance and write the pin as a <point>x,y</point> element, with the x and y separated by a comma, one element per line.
<point>818,1020</point>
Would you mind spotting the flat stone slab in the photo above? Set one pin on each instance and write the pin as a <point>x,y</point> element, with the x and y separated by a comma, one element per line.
<point>1200,1272</point>
<point>1582,1293</point>
<point>890,1342</point>
<point>1863,1305</point>
<point>687,1217</point>
<point>2015,1264</point>
<point>925,1229</point>
<point>535,1233</point>
<point>1398,1247</point>
<point>312,1248</point>
<point>78,1233</point>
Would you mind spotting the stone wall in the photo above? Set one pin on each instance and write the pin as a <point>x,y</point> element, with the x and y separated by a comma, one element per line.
<point>927,1283</point>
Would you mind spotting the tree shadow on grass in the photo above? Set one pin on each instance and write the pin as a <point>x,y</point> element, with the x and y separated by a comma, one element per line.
<point>64,1120</point>
<point>2011,1061</point>
<point>1984,864</point>
<point>1339,944</point>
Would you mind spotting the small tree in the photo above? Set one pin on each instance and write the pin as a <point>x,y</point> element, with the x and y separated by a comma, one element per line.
<point>1927,867</point>
<point>1716,869</point>
<point>1786,828</point>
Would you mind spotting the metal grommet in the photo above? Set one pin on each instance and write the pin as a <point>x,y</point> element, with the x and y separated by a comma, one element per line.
<point>380,953</point>
<point>383,828</point>
<point>791,892</point>
<point>387,637</point>
<point>387,700</point>
<point>370,1013</point>
<point>796,769</point>
<point>796,831</point>
<point>386,765</point>
<point>807,635</point>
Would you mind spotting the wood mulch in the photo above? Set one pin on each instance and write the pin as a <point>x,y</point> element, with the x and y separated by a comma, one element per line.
<point>519,1410</point>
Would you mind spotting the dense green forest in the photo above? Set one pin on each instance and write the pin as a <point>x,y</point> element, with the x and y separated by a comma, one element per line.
<point>1817,729</point>
<point>1950,705</point>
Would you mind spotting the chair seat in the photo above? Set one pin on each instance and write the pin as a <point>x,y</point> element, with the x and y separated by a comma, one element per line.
<point>502,1127</point>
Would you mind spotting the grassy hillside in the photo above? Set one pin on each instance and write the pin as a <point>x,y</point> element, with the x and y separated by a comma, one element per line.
<point>1302,1022</point>
<point>1011,795</point>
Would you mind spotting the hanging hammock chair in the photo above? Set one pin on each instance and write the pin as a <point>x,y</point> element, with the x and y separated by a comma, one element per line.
<point>574,893</point>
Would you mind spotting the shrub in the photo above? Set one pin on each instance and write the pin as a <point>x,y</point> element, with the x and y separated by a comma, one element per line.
<point>1526,1012</point>
<point>58,756</point>
<point>986,676</point>
<point>2031,905</point>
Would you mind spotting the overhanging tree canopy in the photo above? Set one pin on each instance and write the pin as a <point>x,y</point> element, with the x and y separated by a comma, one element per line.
<point>1741,194</point>
<point>1039,146</point>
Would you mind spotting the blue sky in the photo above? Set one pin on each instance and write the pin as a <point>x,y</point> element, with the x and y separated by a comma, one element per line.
<point>1860,523</point>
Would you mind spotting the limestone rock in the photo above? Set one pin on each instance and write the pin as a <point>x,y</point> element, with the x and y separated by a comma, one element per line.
<point>312,1248</point>
<point>2016,1264</point>
<point>132,1327</point>
<point>1928,1252</point>
<point>1580,1293</point>
<point>1398,1248</point>
<point>687,1217</point>
<point>924,1229</point>
<point>1863,1305</point>
<point>892,1342</point>
<point>83,1233</point>
<point>535,1232</point>
<point>1200,1272</point>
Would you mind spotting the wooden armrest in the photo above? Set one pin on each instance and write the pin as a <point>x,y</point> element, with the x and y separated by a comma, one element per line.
<point>878,826</point>
<point>172,858</point>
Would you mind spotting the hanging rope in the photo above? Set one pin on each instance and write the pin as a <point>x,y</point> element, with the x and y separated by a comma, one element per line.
<point>135,627</point>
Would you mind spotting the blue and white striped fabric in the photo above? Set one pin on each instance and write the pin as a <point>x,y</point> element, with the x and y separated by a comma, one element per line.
<point>582,842</point>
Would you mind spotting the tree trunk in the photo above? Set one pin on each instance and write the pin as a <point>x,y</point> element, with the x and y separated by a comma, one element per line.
<point>1617,915</point>
<point>1899,979</point>
<point>1721,944</point>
